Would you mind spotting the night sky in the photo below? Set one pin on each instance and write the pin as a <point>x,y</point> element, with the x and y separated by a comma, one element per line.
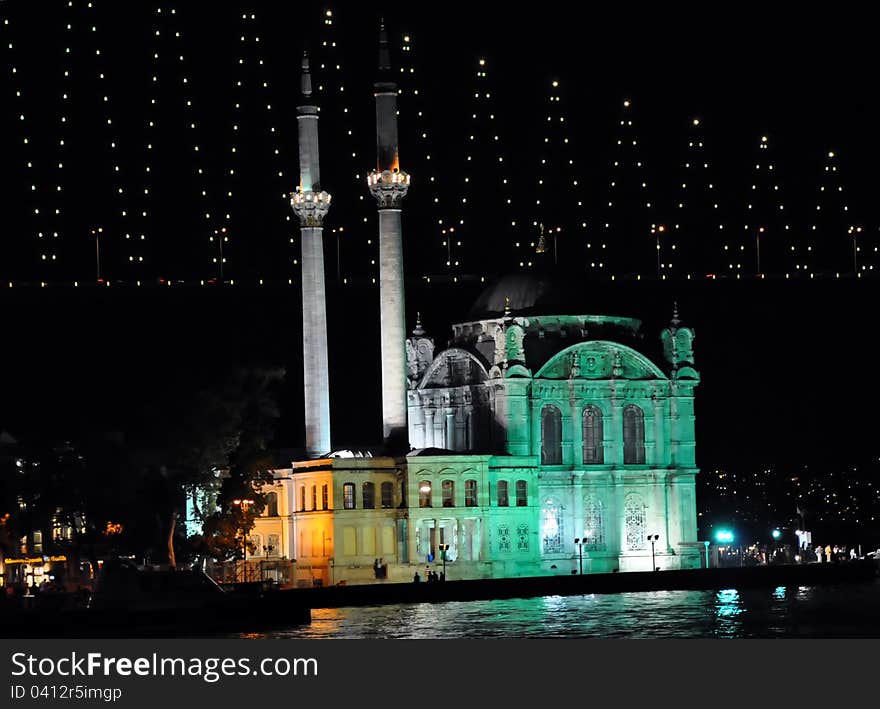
<point>786,364</point>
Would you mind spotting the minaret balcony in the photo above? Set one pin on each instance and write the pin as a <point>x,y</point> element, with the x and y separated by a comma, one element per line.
<point>389,188</point>
<point>310,207</point>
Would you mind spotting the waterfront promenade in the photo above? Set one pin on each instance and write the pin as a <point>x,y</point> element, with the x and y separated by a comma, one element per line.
<point>571,585</point>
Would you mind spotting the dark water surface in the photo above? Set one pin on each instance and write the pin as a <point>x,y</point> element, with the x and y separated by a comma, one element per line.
<point>851,611</point>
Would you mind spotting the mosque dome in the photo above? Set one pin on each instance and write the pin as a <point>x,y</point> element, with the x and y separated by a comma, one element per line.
<point>528,294</point>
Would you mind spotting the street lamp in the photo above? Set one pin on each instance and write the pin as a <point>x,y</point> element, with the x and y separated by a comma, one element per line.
<point>656,230</point>
<point>443,549</point>
<point>580,545</point>
<point>97,234</point>
<point>244,504</point>
<point>267,549</point>
<point>653,538</point>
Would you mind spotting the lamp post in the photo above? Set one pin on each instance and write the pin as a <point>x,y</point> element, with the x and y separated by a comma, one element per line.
<point>653,538</point>
<point>267,549</point>
<point>580,545</point>
<point>656,230</point>
<point>243,504</point>
<point>97,234</point>
<point>443,549</point>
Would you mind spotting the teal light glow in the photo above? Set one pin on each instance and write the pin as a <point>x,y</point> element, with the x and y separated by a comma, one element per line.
<point>776,534</point>
<point>724,535</point>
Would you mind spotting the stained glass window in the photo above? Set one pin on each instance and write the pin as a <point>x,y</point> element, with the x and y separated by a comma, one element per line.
<point>594,524</point>
<point>634,514</point>
<point>551,527</point>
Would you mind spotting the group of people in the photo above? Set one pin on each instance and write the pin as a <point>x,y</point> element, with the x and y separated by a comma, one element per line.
<point>430,576</point>
<point>380,569</point>
<point>834,553</point>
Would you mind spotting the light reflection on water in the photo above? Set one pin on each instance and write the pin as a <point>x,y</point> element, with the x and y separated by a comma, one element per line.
<point>842,611</point>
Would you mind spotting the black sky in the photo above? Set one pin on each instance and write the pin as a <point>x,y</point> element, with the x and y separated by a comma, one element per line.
<point>786,366</point>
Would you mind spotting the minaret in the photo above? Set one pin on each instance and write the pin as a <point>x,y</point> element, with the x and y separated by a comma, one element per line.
<point>388,184</point>
<point>310,204</point>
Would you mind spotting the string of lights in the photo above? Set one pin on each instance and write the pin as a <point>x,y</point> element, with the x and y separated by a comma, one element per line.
<point>834,232</point>
<point>544,212</point>
<point>173,27</point>
<point>356,247</point>
<point>559,189</point>
<point>629,212</point>
<point>275,141</point>
<point>761,247</point>
<point>414,104</point>
<point>122,223</point>
<point>28,153</point>
<point>697,222</point>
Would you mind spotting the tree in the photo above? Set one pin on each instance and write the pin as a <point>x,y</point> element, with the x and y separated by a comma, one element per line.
<point>220,421</point>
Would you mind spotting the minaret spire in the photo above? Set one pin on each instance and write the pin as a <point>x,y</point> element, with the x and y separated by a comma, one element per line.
<point>311,204</point>
<point>389,184</point>
<point>384,54</point>
<point>306,81</point>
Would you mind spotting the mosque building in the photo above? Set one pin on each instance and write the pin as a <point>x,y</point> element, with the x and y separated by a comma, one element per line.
<point>540,441</point>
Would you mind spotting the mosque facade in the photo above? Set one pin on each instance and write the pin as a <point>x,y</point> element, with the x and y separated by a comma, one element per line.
<point>534,444</point>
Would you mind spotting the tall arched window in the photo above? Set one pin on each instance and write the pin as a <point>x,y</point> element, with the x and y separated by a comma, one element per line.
<point>448,493</point>
<point>302,498</point>
<point>551,526</point>
<point>369,495</point>
<point>594,524</point>
<point>635,517</point>
<point>522,493</point>
<point>387,495</point>
<point>503,497</point>
<point>272,504</point>
<point>348,496</point>
<point>633,435</point>
<point>325,498</point>
<point>551,436</point>
<point>470,493</point>
<point>425,493</point>
<point>594,453</point>
<point>314,497</point>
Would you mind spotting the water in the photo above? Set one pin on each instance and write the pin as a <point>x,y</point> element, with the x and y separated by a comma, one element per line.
<point>807,611</point>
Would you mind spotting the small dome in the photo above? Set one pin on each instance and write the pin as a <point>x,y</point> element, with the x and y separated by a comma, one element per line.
<point>527,293</point>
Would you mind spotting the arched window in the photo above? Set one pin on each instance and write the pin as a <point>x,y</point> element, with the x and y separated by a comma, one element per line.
<point>348,496</point>
<point>594,453</point>
<point>551,436</point>
<point>470,493</point>
<point>368,490</point>
<point>503,498</point>
<point>314,497</point>
<point>551,526</point>
<point>633,436</point>
<point>325,497</point>
<point>522,493</point>
<point>634,516</point>
<point>387,495</point>
<point>272,504</point>
<point>425,493</point>
<point>448,493</point>
<point>594,524</point>
<point>302,498</point>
